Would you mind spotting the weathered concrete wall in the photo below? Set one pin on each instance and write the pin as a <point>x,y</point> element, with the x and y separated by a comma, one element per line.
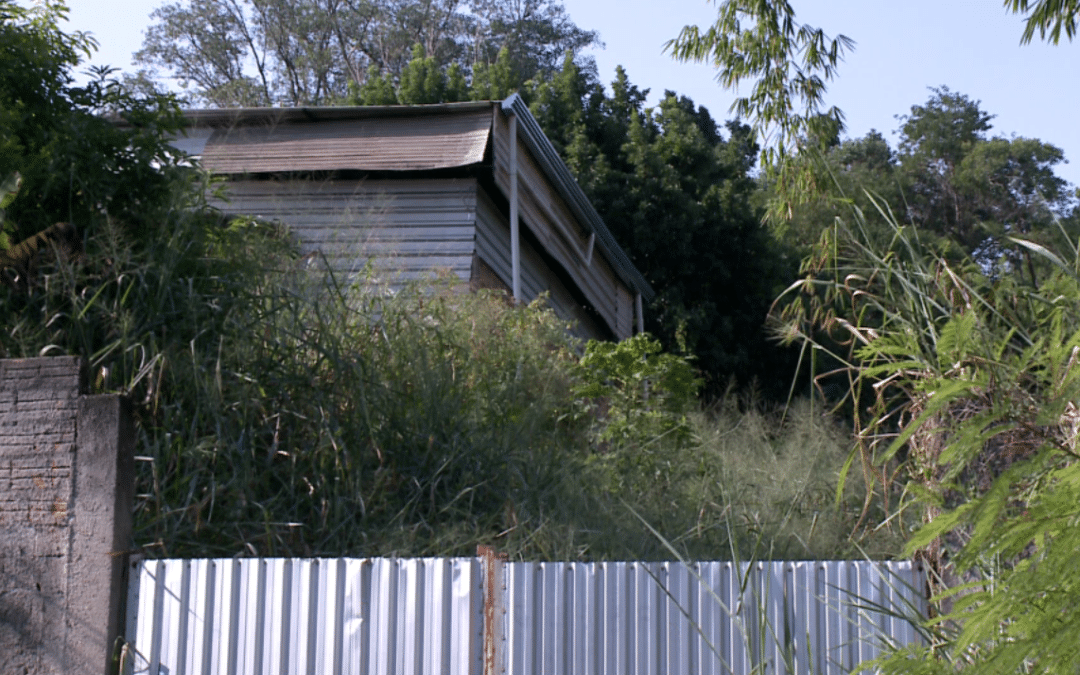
<point>66,488</point>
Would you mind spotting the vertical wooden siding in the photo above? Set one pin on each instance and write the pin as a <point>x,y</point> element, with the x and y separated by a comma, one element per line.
<point>493,247</point>
<point>551,222</point>
<point>407,229</point>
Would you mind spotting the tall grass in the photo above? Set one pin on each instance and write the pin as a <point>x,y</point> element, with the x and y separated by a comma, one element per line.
<point>748,484</point>
<point>967,371</point>
<point>282,411</point>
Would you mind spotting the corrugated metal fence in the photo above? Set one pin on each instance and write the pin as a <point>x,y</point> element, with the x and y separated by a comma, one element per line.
<point>427,616</point>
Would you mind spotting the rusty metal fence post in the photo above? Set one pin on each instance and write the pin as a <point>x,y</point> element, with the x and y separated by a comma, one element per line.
<point>494,609</point>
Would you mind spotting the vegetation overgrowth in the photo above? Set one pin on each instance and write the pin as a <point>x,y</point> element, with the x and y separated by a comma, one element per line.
<point>949,327</point>
<point>945,313</point>
<point>283,411</point>
<point>964,382</point>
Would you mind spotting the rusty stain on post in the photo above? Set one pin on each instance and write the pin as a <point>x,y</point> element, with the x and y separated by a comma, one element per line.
<point>493,610</point>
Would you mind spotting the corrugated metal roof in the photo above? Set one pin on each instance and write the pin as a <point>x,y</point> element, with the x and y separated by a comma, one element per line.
<point>440,141</point>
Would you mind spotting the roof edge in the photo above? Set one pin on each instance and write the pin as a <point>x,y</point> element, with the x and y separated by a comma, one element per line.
<point>568,187</point>
<point>215,117</point>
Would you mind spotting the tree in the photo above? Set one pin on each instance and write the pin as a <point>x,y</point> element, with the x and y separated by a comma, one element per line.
<point>75,164</point>
<point>423,81</point>
<point>790,64</point>
<point>974,385</point>
<point>309,52</point>
<point>970,188</point>
<point>678,196</point>
<point>961,187</point>
<point>536,34</point>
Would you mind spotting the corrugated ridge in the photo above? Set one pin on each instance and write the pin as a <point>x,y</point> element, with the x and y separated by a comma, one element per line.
<point>414,143</point>
<point>406,229</point>
<point>425,615</point>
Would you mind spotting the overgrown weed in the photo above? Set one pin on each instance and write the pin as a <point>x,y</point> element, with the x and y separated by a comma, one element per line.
<point>749,484</point>
<point>284,411</point>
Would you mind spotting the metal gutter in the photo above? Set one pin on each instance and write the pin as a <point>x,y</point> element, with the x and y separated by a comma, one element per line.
<point>515,227</point>
<point>230,116</point>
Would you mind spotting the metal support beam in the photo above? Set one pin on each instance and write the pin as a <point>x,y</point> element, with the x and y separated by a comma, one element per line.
<point>515,235</point>
<point>640,314</point>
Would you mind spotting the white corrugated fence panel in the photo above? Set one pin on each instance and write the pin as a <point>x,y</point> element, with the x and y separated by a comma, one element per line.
<point>304,616</point>
<point>425,616</point>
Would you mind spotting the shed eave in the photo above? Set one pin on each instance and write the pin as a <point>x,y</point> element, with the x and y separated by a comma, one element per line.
<point>218,117</point>
<point>548,158</point>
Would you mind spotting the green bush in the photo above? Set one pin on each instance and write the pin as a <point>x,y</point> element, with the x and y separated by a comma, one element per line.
<point>281,411</point>
<point>968,381</point>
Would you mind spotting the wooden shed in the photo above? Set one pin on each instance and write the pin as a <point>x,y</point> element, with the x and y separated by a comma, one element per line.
<point>470,189</point>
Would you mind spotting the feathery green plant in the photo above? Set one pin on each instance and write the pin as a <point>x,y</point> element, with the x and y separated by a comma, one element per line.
<point>969,379</point>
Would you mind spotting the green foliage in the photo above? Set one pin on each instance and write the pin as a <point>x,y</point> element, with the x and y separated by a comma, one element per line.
<point>281,413</point>
<point>959,377</point>
<point>75,164</point>
<point>944,129</point>
<point>377,89</point>
<point>743,485</point>
<point>643,391</point>
<point>968,193</point>
<point>779,479</point>
<point>677,195</point>
<point>9,189</point>
<point>675,191</point>
<point>494,80</point>
<point>971,382</point>
<point>457,87</point>
<point>847,173</point>
<point>970,189</point>
<point>790,63</point>
<point>422,80</point>
<point>1051,16</point>
<point>314,52</point>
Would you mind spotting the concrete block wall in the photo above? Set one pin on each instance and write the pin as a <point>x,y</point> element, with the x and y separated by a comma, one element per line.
<point>66,490</point>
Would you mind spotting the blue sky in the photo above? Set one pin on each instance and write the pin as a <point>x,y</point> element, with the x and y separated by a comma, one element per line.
<point>971,46</point>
